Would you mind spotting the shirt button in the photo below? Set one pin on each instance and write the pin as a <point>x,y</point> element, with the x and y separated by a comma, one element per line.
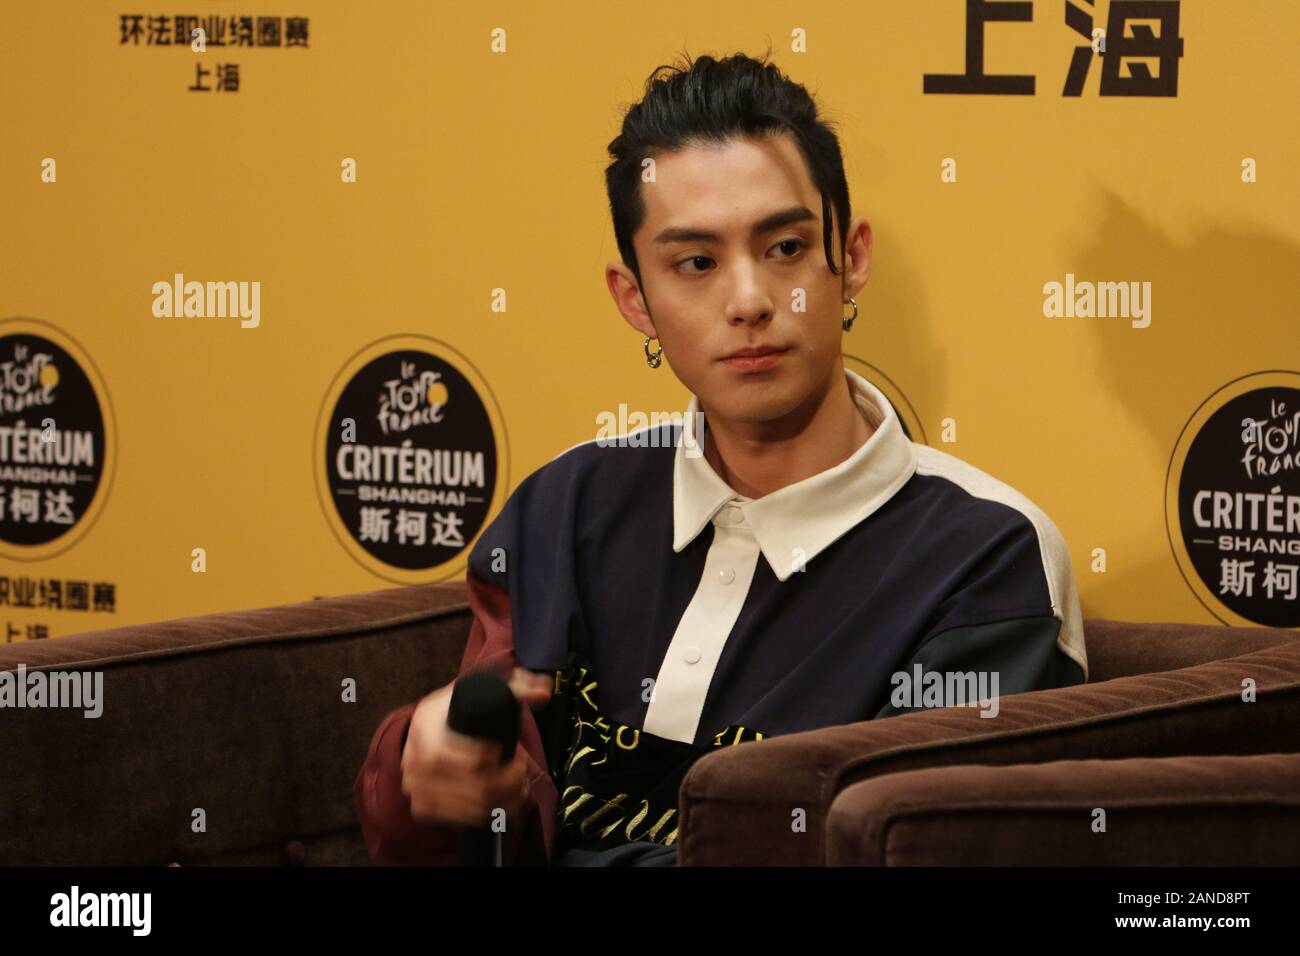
<point>730,515</point>
<point>691,655</point>
<point>726,575</point>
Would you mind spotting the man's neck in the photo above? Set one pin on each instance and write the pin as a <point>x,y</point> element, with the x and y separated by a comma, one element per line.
<point>756,459</point>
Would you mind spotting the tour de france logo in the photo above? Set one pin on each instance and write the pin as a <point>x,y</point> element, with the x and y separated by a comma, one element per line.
<point>407,458</point>
<point>1232,501</point>
<point>56,451</point>
<point>907,416</point>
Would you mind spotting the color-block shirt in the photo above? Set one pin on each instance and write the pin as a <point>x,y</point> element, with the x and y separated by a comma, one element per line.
<point>676,615</point>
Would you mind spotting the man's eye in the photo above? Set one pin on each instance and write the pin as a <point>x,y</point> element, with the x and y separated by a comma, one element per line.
<point>693,259</point>
<point>798,244</point>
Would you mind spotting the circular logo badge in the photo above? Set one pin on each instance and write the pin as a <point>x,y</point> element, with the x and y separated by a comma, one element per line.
<point>907,416</point>
<point>1232,501</point>
<point>56,441</point>
<point>407,456</point>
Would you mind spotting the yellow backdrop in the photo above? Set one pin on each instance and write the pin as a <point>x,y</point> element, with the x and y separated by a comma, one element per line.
<point>476,230</point>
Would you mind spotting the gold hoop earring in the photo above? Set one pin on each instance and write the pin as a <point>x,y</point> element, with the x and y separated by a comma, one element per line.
<point>845,321</point>
<point>653,360</point>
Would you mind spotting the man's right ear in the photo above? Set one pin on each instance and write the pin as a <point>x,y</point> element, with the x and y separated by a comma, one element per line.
<point>626,293</point>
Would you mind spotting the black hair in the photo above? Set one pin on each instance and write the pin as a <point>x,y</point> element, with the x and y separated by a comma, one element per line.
<point>712,101</point>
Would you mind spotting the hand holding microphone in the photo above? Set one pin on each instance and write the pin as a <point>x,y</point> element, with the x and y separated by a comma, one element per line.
<point>458,768</point>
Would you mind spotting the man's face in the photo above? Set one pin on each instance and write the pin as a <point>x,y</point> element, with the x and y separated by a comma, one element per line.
<point>731,258</point>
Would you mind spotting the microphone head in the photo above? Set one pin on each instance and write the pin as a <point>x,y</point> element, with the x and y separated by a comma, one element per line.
<point>483,705</point>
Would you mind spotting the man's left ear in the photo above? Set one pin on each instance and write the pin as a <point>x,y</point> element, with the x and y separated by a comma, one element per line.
<point>859,235</point>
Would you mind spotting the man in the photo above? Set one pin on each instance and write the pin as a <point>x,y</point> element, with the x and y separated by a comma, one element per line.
<point>648,602</point>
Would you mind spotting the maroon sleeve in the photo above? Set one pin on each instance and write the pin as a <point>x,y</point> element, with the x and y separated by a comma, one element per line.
<point>392,836</point>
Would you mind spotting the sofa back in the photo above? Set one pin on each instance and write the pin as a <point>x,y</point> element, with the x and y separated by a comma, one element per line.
<point>241,715</point>
<point>1127,648</point>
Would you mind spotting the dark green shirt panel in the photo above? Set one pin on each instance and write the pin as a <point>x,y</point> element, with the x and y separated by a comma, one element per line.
<point>1022,652</point>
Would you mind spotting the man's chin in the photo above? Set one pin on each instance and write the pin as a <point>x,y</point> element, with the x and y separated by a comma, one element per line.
<point>757,403</point>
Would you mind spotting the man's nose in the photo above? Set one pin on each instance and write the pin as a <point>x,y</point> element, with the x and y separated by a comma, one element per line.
<point>750,301</point>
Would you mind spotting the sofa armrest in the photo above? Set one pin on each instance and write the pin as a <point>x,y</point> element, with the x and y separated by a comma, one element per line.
<point>1158,811</point>
<point>766,802</point>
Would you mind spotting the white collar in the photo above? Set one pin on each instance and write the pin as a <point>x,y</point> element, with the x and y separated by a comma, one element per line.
<point>795,523</point>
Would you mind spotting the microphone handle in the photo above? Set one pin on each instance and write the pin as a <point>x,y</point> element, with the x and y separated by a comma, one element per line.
<point>481,847</point>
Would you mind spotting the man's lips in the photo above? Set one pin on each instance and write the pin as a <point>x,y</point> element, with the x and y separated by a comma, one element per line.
<point>755,359</point>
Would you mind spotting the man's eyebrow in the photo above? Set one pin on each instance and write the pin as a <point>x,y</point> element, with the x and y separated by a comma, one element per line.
<point>776,220</point>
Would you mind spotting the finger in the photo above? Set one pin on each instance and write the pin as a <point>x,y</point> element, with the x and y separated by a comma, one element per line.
<point>449,807</point>
<point>513,767</point>
<point>448,763</point>
<point>478,752</point>
<point>522,684</point>
<point>509,793</point>
<point>536,696</point>
<point>543,682</point>
<point>469,798</point>
<point>527,684</point>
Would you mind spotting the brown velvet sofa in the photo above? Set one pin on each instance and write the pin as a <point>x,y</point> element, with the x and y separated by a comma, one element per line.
<point>243,715</point>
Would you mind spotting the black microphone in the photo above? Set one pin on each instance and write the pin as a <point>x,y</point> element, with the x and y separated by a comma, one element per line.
<point>483,706</point>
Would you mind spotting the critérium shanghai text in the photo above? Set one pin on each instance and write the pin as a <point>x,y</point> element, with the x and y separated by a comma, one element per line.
<point>408,465</point>
<point>44,445</point>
